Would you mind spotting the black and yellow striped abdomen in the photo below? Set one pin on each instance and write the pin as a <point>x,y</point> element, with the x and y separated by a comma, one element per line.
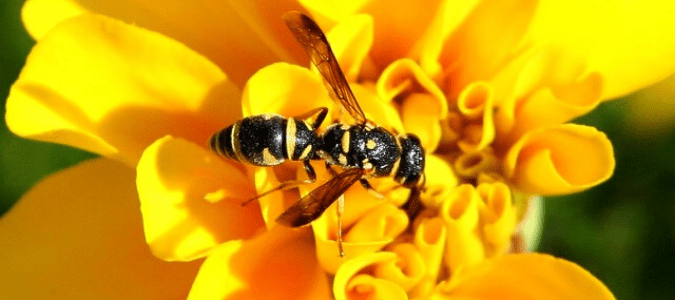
<point>265,140</point>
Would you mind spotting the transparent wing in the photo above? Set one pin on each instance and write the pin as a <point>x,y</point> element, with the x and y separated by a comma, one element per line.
<point>310,207</point>
<point>313,40</point>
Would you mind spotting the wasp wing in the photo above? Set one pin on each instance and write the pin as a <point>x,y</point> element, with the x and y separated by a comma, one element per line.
<point>314,41</point>
<point>310,207</point>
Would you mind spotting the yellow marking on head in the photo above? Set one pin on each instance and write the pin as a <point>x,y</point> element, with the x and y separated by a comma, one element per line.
<point>268,158</point>
<point>370,144</point>
<point>344,127</point>
<point>305,152</point>
<point>309,126</point>
<point>267,116</point>
<point>342,159</point>
<point>290,137</point>
<point>236,145</point>
<point>345,142</point>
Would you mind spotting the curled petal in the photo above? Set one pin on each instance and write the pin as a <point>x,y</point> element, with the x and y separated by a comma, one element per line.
<point>420,117</point>
<point>423,104</point>
<point>280,87</point>
<point>382,223</point>
<point>475,102</point>
<point>498,217</point>
<point>350,284</point>
<point>527,276</point>
<point>440,180</point>
<point>460,212</point>
<point>372,232</point>
<point>253,33</point>
<point>553,106</point>
<point>406,271</point>
<point>114,88</point>
<point>560,160</point>
<point>429,240</point>
<point>405,75</point>
<point>78,235</point>
<point>474,164</point>
<point>279,264</point>
<point>173,178</point>
<point>552,87</point>
<point>381,112</point>
<point>358,203</point>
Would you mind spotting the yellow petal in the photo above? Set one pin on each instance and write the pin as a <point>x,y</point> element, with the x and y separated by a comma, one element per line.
<point>406,271</point>
<point>440,180</point>
<point>527,276</point>
<point>252,36</point>
<point>629,43</point>
<point>381,112</point>
<point>475,102</point>
<point>279,264</point>
<point>112,88</point>
<point>472,165</point>
<point>397,24</point>
<point>560,160</point>
<point>174,176</point>
<point>383,223</point>
<point>486,40</point>
<point>351,40</point>
<point>377,228</point>
<point>552,87</point>
<point>78,235</point>
<point>285,89</point>
<point>429,240</point>
<point>464,247</point>
<point>423,105</point>
<point>498,217</point>
<point>350,284</point>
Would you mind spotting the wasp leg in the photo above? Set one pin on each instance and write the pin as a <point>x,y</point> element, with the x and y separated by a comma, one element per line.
<point>370,188</point>
<point>322,112</point>
<point>286,185</point>
<point>330,170</point>
<point>340,210</point>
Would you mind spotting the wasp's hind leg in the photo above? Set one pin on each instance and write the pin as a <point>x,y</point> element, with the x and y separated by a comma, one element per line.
<point>286,185</point>
<point>370,188</point>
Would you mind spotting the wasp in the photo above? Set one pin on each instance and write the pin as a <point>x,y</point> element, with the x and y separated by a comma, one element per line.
<point>363,150</point>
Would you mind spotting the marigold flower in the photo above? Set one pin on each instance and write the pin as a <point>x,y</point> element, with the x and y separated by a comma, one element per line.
<point>488,86</point>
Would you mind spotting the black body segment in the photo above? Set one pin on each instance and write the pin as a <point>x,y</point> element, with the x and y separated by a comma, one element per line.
<point>358,146</point>
<point>411,167</point>
<point>382,151</point>
<point>262,139</point>
<point>265,140</point>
